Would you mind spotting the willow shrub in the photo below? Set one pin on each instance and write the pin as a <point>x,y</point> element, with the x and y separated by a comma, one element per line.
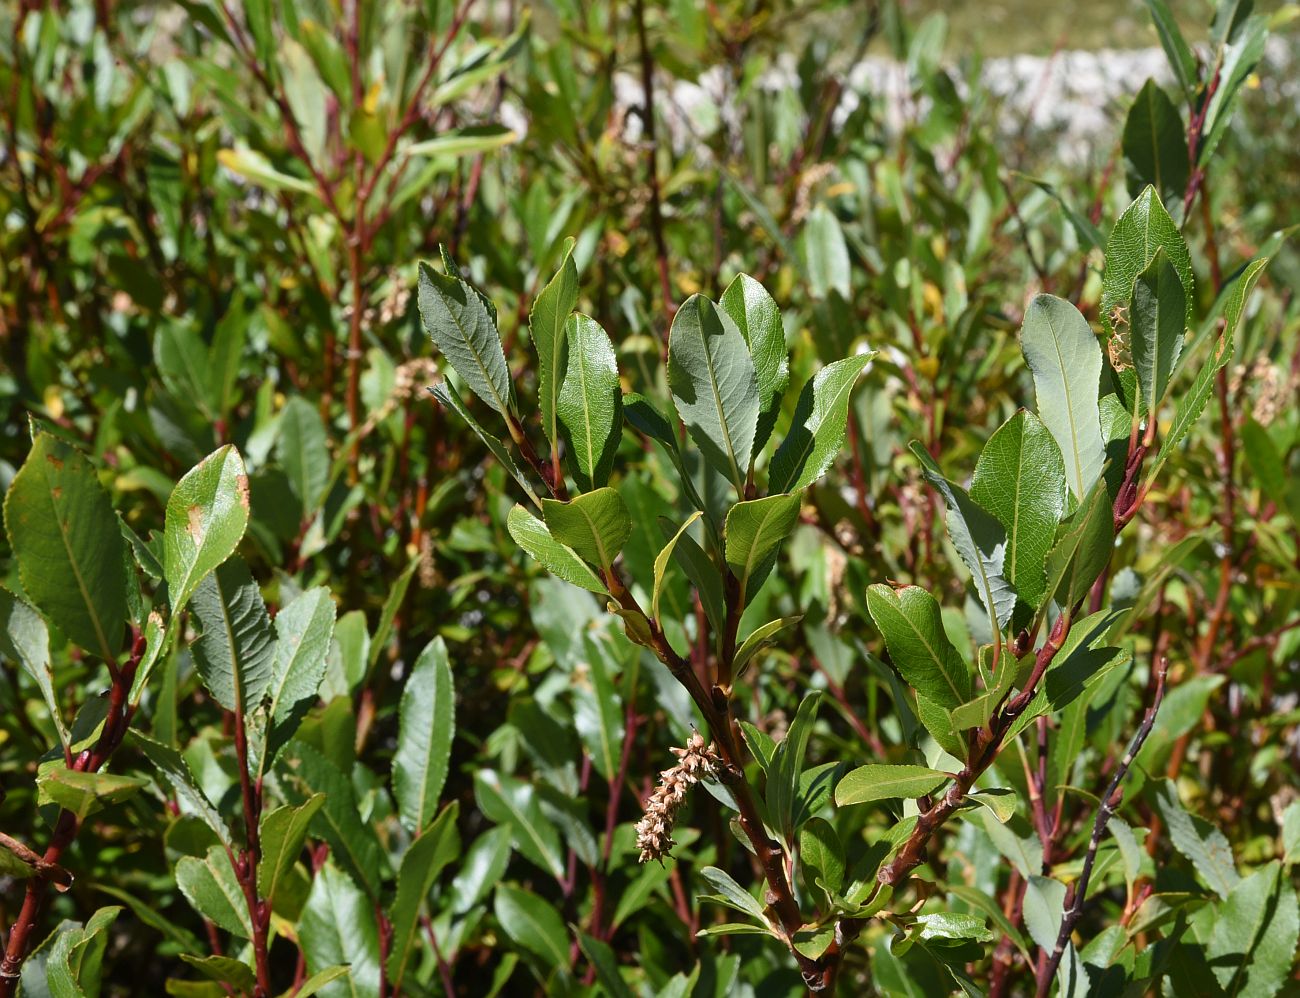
<point>837,844</point>
<point>245,758</point>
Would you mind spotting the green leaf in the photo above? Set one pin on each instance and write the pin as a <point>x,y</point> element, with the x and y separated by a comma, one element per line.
<point>1082,549</point>
<point>1144,227</point>
<point>1020,479</point>
<point>601,957</point>
<point>461,327</point>
<point>597,713</point>
<point>424,859</point>
<point>825,253</point>
<point>424,734</point>
<point>512,802</point>
<point>1044,905</point>
<point>445,394</point>
<point>730,893</point>
<point>646,419</point>
<point>590,401</point>
<point>546,323</point>
<point>786,767</point>
<point>595,525</point>
<point>1204,845</point>
<point>1155,145</point>
<point>817,430</point>
<point>254,166</point>
<point>1156,329</point>
<point>531,922</point>
<point>354,844</point>
<point>206,517</point>
<point>910,621</point>
<point>560,560</point>
<point>940,721</point>
<point>760,638</point>
<point>464,141</point>
<point>953,925</point>
<point>703,575</point>
<point>1075,670</point>
<point>317,982</point>
<point>1065,359</point>
<point>1001,801</point>
<point>302,450</point>
<point>85,793</point>
<point>1240,56</point>
<point>878,782</point>
<point>759,320</point>
<point>388,614</point>
<point>711,375</point>
<point>754,531</point>
<point>1192,403</point>
<point>1266,464</point>
<point>1252,944</point>
<point>1175,45</point>
<point>338,926</point>
<point>661,564</point>
<point>74,961</point>
<point>305,92</point>
<point>65,538</point>
<point>235,652</point>
<point>980,540</point>
<point>822,855</point>
<point>210,886</point>
<point>282,832</point>
<point>303,631</point>
<point>224,970</point>
<point>24,639</point>
<point>171,766</point>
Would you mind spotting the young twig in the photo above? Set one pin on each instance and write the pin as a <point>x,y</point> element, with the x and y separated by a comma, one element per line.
<point>118,719</point>
<point>1110,802</point>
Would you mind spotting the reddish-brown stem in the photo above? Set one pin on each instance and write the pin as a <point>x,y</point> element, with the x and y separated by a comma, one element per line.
<point>1109,803</point>
<point>116,722</point>
<point>246,863</point>
<point>652,165</point>
<point>714,705</point>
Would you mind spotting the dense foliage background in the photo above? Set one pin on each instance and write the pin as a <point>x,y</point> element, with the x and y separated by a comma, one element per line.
<point>211,223</point>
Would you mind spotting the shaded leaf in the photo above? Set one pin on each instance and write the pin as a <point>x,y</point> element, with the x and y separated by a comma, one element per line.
<point>1156,329</point>
<point>1155,144</point>
<point>424,735</point>
<point>980,540</point>
<point>424,859</point>
<point>546,323</point>
<point>235,652</point>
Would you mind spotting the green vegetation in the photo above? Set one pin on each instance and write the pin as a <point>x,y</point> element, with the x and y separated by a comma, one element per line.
<point>599,500</point>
